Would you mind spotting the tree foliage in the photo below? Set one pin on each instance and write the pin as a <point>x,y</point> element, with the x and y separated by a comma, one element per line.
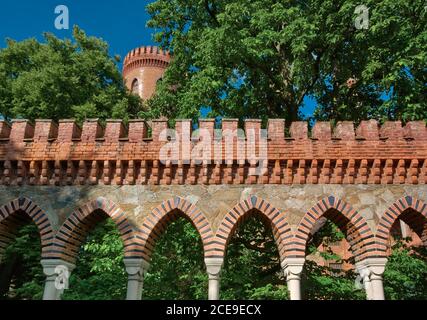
<point>262,58</point>
<point>177,268</point>
<point>252,265</point>
<point>405,277</point>
<point>21,274</point>
<point>100,272</point>
<point>62,79</point>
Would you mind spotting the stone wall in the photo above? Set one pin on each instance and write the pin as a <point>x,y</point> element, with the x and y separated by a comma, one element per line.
<point>138,203</point>
<point>67,178</point>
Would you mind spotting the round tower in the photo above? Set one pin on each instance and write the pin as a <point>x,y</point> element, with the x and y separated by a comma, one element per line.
<point>143,68</point>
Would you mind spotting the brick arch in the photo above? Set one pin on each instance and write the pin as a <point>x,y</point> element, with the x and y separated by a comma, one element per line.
<point>407,207</point>
<point>353,224</point>
<point>159,218</point>
<point>10,221</point>
<point>77,226</point>
<point>279,225</point>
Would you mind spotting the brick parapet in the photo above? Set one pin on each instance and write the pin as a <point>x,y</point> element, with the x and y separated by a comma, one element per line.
<point>64,153</point>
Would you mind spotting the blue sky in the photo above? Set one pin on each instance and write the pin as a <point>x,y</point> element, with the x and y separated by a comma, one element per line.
<point>121,23</point>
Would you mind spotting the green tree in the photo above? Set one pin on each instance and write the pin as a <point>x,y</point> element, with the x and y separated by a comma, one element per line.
<point>177,269</point>
<point>21,274</point>
<point>261,58</point>
<point>252,265</point>
<point>321,282</point>
<point>62,79</point>
<point>405,276</point>
<point>100,272</point>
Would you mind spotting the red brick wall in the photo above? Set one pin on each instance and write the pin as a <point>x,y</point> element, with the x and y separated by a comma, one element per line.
<point>47,153</point>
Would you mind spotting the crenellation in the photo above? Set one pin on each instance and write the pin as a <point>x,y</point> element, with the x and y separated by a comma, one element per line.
<point>5,129</point>
<point>322,131</point>
<point>345,131</point>
<point>45,130</point>
<point>92,130</point>
<point>21,130</point>
<point>368,130</point>
<point>299,130</point>
<point>68,131</point>
<point>376,155</point>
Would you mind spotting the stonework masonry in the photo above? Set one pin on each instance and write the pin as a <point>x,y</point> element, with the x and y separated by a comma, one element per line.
<point>67,178</point>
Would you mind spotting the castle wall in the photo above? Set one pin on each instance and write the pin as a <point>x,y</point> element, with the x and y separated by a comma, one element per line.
<point>66,178</point>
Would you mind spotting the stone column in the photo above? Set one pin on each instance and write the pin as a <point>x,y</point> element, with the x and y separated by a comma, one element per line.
<point>213,268</point>
<point>372,270</point>
<point>365,276</point>
<point>57,275</point>
<point>404,229</point>
<point>136,269</point>
<point>377,268</point>
<point>292,268</point>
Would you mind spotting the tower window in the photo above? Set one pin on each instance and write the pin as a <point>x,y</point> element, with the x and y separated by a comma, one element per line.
<point>135,87</point>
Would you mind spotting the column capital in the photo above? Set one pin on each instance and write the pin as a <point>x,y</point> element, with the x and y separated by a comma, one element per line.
<point>50,266</point>
<point>136,266</point>
<point>375,266</point>
<point>293,267</point>
<point>362,269</point>
<point>213,266</point>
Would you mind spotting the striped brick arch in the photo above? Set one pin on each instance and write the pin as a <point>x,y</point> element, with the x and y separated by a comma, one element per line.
<point>253,205</point>
<point>409,209</point>
<point>168,211</point>
<point>77,226</point>
<point>19,212</point>
<point>350,222</point>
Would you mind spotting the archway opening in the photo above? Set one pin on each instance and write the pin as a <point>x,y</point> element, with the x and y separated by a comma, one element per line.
<point>405,275</point>
<point>21,274</point>
<point>100,273</point>
<point>252,264</point>
<point>177,270</point>
<point>329,272</point>
<point>135,87</point>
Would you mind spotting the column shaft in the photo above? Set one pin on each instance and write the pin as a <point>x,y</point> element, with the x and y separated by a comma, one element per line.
<point>213,268</point>
<point>134,287</point>
<point>50,292</point>
<point>294,287</point>
<point>377,287</point>
<point>213,288</point>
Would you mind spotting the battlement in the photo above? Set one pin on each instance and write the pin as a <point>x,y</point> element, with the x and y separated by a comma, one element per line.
<point>64,153</point>
<point>21,130</point>
<point>146,56</point>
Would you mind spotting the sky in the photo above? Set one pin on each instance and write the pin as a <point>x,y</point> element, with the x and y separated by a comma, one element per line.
<point>120,23</point>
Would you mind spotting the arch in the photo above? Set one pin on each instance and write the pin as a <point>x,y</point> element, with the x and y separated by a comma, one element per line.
<point>407,207</point>
<point>10,221</point>
<point>75,229</point>
<point>135,86</point>
<point>353,224</point>
<point>169,210</point>
<point>280,227</point>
